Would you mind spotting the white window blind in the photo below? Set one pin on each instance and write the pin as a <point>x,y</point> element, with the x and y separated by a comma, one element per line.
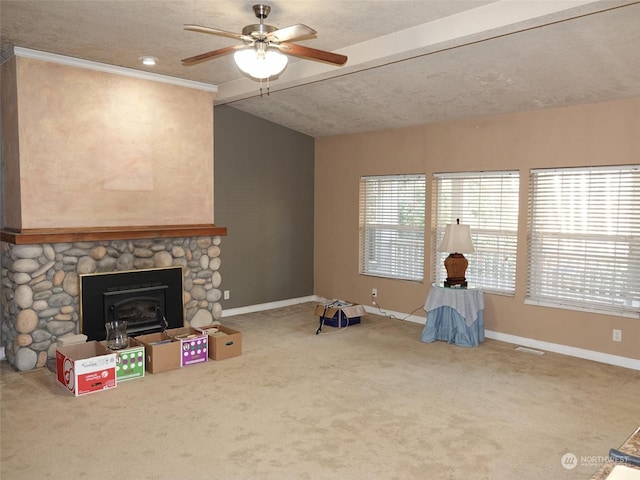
<point>584,247</point>
<point>488,203</point>
<point>392,218</point>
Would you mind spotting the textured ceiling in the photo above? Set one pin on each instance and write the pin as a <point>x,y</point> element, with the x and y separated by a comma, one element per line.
<point>410,62</point>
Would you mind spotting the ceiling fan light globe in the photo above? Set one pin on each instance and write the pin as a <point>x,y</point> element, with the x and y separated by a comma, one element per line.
<point>260,65</point>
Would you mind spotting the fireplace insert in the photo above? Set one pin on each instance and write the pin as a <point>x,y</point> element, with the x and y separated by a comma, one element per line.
<point>148,300</point>
<point>142,308</point>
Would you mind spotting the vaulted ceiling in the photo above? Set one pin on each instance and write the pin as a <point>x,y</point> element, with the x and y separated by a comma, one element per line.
<point>410,62</point>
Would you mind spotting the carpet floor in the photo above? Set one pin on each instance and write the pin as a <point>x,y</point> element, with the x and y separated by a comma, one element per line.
<point>367,402</point>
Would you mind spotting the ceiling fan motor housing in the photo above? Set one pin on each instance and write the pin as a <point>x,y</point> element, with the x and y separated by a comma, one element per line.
<point>258,30</point>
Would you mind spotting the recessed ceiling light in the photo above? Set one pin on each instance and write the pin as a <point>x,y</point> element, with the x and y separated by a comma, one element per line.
<point>149,61</point>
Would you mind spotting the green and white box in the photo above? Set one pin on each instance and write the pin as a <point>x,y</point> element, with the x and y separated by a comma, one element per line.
<point>129,361</point>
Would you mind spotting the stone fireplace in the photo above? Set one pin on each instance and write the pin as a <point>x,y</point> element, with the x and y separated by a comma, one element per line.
<point>41,280</point>
<point>103,170</point>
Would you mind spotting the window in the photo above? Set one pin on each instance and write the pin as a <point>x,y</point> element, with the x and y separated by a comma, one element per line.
<point>584,247</point>
<point>488,203</point>
<point>392,212</point>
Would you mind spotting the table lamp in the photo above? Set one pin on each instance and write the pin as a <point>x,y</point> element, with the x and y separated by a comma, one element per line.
<point>457,240</point>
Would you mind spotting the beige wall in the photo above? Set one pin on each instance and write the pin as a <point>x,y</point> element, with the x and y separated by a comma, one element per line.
<point>102,149</point>
<point>598,134</point>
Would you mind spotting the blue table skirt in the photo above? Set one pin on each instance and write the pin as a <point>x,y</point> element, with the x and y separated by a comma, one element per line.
<point>444,323</point>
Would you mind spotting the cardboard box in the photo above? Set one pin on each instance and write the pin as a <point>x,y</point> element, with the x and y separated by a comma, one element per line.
<point>162,352</point>
<point>86,368</point>
<point>193,345</point>
<point>129,361</point>
<point>342,315</point>
<point>224,342</point>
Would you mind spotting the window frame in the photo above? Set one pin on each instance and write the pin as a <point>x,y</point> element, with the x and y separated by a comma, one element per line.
<point>586,245</point>
<point>493,240</point>
<point>386,246</point>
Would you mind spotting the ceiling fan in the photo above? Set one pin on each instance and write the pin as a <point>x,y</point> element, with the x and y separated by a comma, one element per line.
<point>261,55</point>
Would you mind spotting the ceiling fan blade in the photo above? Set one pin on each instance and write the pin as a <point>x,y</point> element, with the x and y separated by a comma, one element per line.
<point>203,57</point>
<point>215,31</point>
<point>294,32</point>
<point>312,53</point>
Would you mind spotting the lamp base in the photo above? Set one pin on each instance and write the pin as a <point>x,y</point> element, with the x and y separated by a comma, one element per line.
<point>455,284</point>
<point>456,266</point>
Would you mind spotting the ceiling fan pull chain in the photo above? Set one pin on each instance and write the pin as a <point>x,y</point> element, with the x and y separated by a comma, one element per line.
<point>268,87</point>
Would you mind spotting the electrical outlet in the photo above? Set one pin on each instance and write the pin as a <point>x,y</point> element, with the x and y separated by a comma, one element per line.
<point>226,294</point>
<point>374,292</point>
<point>617,335</point>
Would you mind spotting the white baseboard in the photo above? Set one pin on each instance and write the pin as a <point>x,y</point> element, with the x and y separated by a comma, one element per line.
<point>502,337</point>
<point>395,315</point>
<point>616,360</point>
<point>268,306</point>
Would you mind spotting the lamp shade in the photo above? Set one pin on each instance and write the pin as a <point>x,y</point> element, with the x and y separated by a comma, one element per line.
<point>457,239</point>
<point>260,63</point>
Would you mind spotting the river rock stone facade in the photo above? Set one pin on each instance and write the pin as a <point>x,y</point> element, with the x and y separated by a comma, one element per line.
<point>40,286</point>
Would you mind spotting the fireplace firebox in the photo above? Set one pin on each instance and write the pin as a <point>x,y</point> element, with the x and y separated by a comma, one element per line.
<point>148,300</point>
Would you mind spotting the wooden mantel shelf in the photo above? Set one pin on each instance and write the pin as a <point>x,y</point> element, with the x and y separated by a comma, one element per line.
<point>92,234</point>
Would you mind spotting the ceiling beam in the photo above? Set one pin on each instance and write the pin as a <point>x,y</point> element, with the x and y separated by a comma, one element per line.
<point>487,21</point>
